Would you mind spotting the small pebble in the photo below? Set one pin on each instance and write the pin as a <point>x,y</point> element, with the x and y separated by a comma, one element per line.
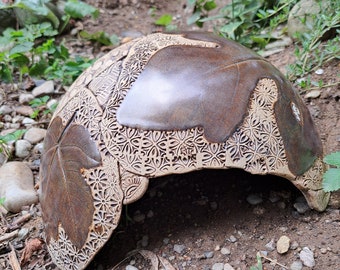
<point>28,121</point>
<point>296,265</point>
<point>35,135</point>
<point>24,110</point>
<point>227,266</point>
<point>319,71</point>
<point>22,148</point>
<point>323,250</point>
<point>232,239</point>
<point>51,103</point>
<point>313,94</point>
<point>217,266</point>
<point>254,199</point>
<point>225,251</point>
<point>166,241</point>
<point>43,89</point>
<point>307,257</point>
<point>22,234</point>
<point>208,254</point>
<point>301,207</point>
<point>294,245</point>
<point>38,148</point>
<point>282,245</point>
<point>25,98</point>
<point>270,245</point>
<point>179,248</point>
<point>5,109</point>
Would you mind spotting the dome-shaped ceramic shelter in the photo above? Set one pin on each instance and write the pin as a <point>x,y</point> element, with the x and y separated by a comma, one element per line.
<point>164,104</point>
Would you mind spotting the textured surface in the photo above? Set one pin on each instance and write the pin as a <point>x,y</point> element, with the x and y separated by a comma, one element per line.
<point>253,141</point>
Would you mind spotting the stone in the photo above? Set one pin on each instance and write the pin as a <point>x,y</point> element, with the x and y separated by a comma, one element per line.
<point>232,239</point>
<point>43,89</point>
<point>25,98</point>
<point>179,248</point>
<point>282,245</point>
<point>28,121</point>
<point>301,207</point>
<point>225,251</point>
<point>270,245</point>
<point>227,266</point>
<point>22,148</point>
<point>296,265</point>
<point>209,255</point>
<point>17,186</point>
<point>51,104</point>
<point>35,135</point>
<point>254,199</point>
<point>307,257</point>
<point>217,266</point>
<point>24,110</point>
<point>5,109</point>
<point>313,94</point>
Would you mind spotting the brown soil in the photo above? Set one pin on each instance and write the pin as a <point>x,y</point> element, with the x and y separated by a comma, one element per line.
<point>204,210</point>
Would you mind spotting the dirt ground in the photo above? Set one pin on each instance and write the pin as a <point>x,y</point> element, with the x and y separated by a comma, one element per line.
<point>207,212</point>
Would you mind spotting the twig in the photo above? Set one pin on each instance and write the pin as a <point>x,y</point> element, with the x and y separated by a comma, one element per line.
<point>13,260</point>
<point>272,261</point>
<point>15,224</point>
<point>8,236</point>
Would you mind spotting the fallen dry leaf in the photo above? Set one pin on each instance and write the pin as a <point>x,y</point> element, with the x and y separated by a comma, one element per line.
<point>32,245</point>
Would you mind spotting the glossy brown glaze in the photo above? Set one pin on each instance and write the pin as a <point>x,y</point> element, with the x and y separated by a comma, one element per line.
<point>66,199</point>
<point>184,86</point>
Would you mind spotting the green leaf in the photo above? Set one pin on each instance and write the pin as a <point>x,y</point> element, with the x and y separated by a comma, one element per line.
<point>333,159</point>
<point>210,5</point>
<point>22,47</point>
<point>194,18</point>
<point>100,36</point>
<point>78,9</point>
<point>13,136</point>
<point>331,180</point>
<point>164,20</point>
<point>2,200</point>
<point>19,60</point>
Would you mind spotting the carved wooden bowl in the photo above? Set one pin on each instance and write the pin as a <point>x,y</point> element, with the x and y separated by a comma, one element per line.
<point>164,104</point>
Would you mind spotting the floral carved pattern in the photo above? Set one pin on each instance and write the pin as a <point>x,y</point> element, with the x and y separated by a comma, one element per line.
<point>128,157</point>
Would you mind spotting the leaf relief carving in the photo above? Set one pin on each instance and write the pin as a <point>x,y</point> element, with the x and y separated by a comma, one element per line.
<point>65,198</point>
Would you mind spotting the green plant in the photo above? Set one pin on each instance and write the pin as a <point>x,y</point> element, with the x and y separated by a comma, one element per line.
<point>100,37</point>
<point>258,265</point>
<point>201,10</point>
<point>249,22</point>
<point>39,105</point>
<point>27,53</point>
<point>10,137</point>
<point>313,52</point>
<point>58,13</point>
<point>166,21</point>
<point>331,178</point>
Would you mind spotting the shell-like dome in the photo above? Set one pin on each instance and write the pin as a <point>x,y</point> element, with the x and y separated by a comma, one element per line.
<point>164,104</point>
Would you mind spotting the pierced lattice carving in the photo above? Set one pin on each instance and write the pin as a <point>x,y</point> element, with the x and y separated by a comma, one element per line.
<point>130,156</point>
